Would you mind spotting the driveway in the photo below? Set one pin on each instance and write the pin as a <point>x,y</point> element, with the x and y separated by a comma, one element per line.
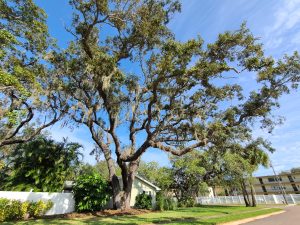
<point>290,217</point>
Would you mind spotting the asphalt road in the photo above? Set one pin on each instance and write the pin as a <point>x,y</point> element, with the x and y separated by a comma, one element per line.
<point>290,217</point>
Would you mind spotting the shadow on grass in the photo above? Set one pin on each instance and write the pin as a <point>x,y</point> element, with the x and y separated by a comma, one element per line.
<point>212,209</point>
<point>195,216</point>
<point>181,221</point>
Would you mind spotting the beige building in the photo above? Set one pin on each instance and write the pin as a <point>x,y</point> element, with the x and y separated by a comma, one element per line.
<point>289,182</point>
<point>141,185</point>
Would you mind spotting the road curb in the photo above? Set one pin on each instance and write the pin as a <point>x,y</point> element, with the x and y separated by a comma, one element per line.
<point>238,222</point>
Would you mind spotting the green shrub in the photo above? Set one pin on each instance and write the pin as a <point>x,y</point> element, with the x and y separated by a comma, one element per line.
<point>170,204</point>
<point>39,208</point>
<point>181,204</point>
<point>164,202</point>
<point>160,201</point>
<point>4,205</point>
<point>143,201</point>
<point>91,193</point>
<point>16,210</point>
<point>12,209</point>
<point>189,202</point>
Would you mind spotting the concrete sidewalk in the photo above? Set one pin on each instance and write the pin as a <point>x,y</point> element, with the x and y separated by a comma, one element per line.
<point>290,217</point>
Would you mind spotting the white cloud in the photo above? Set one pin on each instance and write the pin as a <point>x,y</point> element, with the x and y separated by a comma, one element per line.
<point>286,20</point>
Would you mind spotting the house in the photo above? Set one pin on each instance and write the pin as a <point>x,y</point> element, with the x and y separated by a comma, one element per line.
<point>139,186</point>
<point>289,182</point>
<point>285,182</point>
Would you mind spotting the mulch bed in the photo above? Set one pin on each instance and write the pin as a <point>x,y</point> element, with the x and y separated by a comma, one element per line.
<point>108,212</point>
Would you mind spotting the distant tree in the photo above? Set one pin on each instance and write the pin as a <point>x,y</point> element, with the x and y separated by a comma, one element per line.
<point>234,163</point>
<point>295,170</point>
<point>86,169</point>
<point>41,164</point>
<point>188,176</point>
<point>160,176</point>
<point>100,167</point>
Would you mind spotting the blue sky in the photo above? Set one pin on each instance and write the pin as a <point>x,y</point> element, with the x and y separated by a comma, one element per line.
<point>275,22</point>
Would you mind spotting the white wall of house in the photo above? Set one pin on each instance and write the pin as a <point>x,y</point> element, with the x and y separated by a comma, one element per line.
<point>63,202</point>
<point>139,187</point>
<point>210,192</point>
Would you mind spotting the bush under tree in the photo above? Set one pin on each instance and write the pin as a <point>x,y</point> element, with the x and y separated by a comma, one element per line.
<point>143,201</point>
<point>91,193</point>
<point>165,202</point>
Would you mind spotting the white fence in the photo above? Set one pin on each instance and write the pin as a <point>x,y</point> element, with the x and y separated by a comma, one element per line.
<point>62,202</point>
<point>239,200</point>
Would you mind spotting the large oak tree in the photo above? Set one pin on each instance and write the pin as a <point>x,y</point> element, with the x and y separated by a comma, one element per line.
<point>125,74</point>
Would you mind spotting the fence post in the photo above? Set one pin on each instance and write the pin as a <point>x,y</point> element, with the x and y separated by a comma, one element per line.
<point>275,199</point>
<point>240,198</point>
<point>264,197</point>
<point>293,200</point>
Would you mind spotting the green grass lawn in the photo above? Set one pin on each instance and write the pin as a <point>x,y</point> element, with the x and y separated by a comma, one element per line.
<point>206,215</point>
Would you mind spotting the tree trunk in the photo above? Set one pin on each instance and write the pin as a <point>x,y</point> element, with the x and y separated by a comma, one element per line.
<point>113,178</point>
<point>253,196</point>
<point>126,193</point>
<point>246,199</point>
<point>127,197</point>
<point>114,181</point>
<point>117,195</point>
<point>128,182</point>
<point>245,194</point>
<point>214,191</point>
<point>226,192</point>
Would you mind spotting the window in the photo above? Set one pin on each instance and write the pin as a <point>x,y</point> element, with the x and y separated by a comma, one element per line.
<point>290,178</point>
<point>274,179</point>
<point>147,192</point>
<point>277,188</point>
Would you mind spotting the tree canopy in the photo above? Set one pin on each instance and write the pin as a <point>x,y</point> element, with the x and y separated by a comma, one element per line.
<point>183,96</point>
<point>27,103</point>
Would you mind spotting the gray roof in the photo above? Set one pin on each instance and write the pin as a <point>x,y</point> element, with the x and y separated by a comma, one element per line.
<point>148,182</point>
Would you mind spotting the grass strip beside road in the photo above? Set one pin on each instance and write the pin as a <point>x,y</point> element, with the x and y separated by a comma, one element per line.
<point>205,215</point>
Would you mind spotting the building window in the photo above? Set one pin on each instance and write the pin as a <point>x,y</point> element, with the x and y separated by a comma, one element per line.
<point>277,188</point>
<point>274,179</point>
